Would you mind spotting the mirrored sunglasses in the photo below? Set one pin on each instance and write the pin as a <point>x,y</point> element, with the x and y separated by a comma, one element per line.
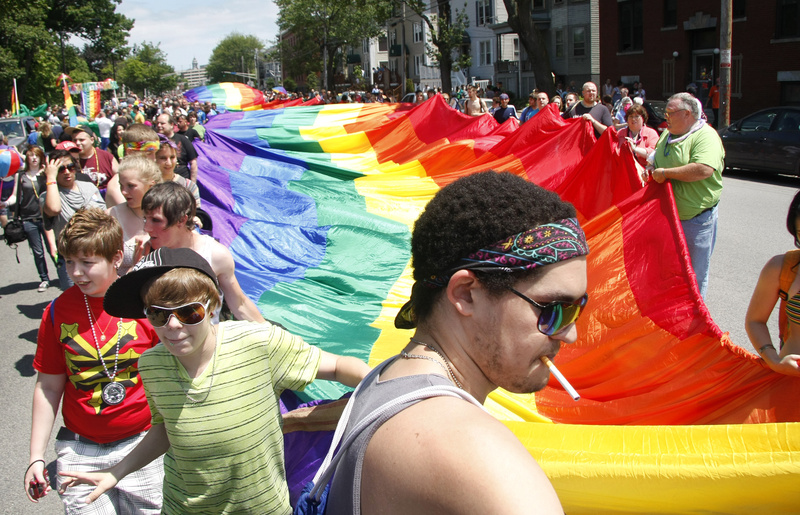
<point>188,314</point>
<point>554,317</point>
<point>72,167</point>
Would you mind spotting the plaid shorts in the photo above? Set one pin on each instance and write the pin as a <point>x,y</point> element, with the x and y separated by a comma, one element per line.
<point>138,492</point>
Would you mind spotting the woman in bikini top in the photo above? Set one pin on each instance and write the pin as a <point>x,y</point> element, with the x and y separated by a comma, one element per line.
<point>779,280</point>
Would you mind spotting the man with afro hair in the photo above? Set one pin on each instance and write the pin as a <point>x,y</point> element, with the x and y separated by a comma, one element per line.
<point>500,271</point>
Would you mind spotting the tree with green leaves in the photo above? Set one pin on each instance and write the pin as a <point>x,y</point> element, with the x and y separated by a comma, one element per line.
<point>147,68</point>
<point>331,26</point>
<point>235,53</point>
<point>35,48</point>
<point>533,41</point>
<point>446,29</point>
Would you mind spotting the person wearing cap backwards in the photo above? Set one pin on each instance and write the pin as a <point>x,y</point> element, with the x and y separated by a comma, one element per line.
<point>213,391</point>
<point>98,164</point>
<point>505,111</point>
<point>500,272</point>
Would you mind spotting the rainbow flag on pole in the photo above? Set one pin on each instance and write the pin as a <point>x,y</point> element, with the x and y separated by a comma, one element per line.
<point>14,100</point>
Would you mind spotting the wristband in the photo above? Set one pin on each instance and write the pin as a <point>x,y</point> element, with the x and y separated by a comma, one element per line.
<point>49,183</point>
<point>34,462</point>
<point>767,346</point>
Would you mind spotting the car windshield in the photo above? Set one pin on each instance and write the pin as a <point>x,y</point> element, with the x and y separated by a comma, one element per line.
<point>659,108</point>
<point>11,128</point>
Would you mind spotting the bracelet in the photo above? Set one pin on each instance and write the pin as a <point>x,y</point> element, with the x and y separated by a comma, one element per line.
<point>663,174</point>
<point>49,183</point>
<point>34,462</point>
<point>767,346</point>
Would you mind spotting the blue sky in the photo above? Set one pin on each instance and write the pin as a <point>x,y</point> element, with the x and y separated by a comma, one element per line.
<point>187,29</point>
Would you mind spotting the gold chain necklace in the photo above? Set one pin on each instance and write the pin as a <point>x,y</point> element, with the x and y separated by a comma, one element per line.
<point>446,366</point>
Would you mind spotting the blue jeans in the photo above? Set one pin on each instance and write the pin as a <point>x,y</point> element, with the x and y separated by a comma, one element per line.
<point>64,282</point>
<point>104,142</point>
<point>701,235</point>
<point>35,232</point>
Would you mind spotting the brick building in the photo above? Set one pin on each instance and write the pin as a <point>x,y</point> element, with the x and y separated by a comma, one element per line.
<point>676,42</point>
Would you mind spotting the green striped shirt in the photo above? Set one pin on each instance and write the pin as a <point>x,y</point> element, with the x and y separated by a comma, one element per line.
<point>226,451</point>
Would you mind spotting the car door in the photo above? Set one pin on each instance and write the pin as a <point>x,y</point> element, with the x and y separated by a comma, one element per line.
<point>783,142</point>
<point>744,142</point>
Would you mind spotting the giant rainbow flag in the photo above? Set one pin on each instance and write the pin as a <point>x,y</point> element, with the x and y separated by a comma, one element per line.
<point>235,96</point>
<point>317,203</point>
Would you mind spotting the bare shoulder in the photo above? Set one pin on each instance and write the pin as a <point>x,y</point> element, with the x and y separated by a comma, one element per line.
<point>445,455</point>
<point>773,267</point>
<point>221,257</point>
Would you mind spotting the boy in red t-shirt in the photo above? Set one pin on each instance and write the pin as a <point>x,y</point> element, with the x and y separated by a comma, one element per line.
<point>88,362</point>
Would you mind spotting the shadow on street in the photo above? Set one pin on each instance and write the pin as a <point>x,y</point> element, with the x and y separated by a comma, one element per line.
<point>30,336</point>
<point>33,311</point>
<point>17,287</point>
<point>24,366</point>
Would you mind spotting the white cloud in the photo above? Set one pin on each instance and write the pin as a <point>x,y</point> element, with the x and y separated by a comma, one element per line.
<point>188,29</point>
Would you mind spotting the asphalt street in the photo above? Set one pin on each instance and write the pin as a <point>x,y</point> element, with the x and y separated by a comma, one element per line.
<point>751,230</point>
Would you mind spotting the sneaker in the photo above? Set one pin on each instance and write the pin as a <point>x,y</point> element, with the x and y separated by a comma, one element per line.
<point>43,286</point>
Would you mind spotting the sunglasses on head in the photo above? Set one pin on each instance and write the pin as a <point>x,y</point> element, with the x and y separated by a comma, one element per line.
<point>71,167</point>
<point>554,317</point>
<point>187,314</point>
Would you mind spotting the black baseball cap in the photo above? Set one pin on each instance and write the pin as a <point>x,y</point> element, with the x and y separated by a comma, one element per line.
<point>124,297</point>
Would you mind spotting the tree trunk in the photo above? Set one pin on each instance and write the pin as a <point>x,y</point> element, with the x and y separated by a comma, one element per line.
<point>446,60</point>
<point>533,40</point>
<point>445,66</point>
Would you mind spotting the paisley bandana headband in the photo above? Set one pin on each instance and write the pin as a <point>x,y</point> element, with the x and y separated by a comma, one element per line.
<point>543,245</point>
<point>143,146</point>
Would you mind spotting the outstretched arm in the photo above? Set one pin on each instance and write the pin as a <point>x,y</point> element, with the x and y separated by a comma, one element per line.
<point>154,444</point>
<point>342,369</point>
<point>241,306</point>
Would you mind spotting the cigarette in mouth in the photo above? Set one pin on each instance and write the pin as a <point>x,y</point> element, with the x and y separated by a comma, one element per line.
<point>561,379</point>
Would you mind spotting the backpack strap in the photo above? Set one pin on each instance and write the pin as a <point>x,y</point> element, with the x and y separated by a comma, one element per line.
<point>788,272</point>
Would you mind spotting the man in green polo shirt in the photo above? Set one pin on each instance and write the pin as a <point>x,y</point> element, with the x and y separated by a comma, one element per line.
<point>690,155</point>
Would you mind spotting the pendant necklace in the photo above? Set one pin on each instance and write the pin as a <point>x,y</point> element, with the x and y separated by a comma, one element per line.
<point>103,332</point>
<point>446,366</point>
<point>113,392</point>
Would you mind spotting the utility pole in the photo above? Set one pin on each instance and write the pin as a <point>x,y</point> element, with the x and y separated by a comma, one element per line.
<point>255,59</point>
<point>725,28</point>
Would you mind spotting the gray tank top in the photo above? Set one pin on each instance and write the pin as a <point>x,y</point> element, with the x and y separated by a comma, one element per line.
<point>345,495</point>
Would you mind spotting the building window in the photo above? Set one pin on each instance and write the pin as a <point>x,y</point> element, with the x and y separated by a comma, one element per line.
<point>739,9</point>
<point>417,32</point>
<point>788,23</point>
<point>516,49</point>
<point>539,4</point>
<point>559,43</point>
<point>382,44</point>
<point>736,76</point>
<point>484,12</point>
<point>630,25</point>
<point>417,64</point>
<point>393,37</point>
<point>670,13</point>
<point>485,53</point>
<point>578,42</point>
